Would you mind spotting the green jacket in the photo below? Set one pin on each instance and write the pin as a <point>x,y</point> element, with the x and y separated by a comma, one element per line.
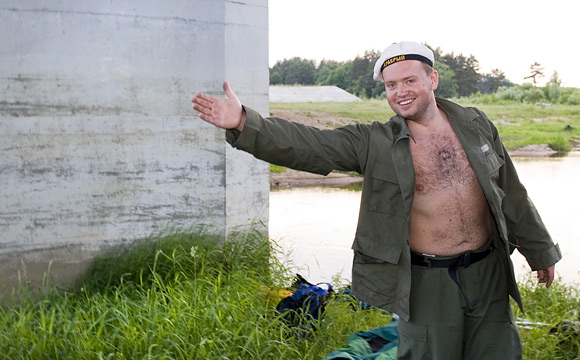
<point>381,152</point>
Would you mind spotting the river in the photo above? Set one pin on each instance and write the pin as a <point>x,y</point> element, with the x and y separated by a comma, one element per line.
<point>317,224</point>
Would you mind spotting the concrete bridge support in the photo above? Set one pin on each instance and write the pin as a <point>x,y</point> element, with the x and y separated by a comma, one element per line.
<point>98,142</point>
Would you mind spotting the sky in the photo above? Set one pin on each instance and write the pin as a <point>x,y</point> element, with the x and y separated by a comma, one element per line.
<point>508,35</point>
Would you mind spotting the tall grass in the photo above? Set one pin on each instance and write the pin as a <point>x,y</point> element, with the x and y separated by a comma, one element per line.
<point>554,314</point>
<point>179,296</point>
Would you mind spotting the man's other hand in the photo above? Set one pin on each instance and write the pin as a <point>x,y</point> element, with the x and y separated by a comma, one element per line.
<point>546,276</point>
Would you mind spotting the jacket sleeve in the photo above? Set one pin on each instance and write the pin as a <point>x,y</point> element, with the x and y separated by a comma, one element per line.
<point>301,147</point>
<point>526,230</point>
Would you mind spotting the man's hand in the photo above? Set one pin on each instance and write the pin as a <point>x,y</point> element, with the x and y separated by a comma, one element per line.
<point>546,276</point>
<point>224,113</point>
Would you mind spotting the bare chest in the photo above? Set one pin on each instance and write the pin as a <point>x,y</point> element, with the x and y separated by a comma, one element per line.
<point>440,162</point>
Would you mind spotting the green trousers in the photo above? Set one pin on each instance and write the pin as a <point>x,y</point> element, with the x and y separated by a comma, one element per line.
<point>442,327</point>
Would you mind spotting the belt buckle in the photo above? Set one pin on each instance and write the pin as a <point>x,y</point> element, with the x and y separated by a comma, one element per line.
<point>467,259</point>
<point>427,259</point>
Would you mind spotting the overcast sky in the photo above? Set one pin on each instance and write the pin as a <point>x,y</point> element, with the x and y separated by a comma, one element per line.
<point>508,35</point>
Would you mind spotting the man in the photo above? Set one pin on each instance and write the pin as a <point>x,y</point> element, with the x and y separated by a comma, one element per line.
<point>441,209</point>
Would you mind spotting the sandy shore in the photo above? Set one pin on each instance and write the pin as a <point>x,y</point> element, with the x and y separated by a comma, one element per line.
<point>293,178</point>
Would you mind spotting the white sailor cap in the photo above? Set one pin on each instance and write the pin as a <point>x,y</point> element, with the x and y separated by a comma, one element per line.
<point>401,51</point>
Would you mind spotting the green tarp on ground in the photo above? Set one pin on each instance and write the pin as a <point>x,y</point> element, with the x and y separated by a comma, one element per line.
<point>376,344</point>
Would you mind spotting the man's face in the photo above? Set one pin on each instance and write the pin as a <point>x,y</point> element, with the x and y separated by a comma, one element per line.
<point>409,89</point>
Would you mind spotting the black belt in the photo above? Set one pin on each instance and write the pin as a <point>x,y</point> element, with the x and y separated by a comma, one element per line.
<point>465,259</point>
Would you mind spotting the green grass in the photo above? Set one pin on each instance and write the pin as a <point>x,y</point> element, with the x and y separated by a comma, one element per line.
<point>518,124</point>
<point>552,132</point>
<point>189,296</point>
<point>277,169</point>
<point>179,296</point>
<point>553,306</point>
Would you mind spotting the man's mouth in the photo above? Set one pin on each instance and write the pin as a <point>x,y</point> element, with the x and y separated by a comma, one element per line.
<point>405,102</point>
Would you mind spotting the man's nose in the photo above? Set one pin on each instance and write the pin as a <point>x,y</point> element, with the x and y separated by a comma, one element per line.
<point>402,89</point>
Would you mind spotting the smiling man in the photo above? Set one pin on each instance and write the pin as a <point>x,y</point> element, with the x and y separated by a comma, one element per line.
<point>442,208</point>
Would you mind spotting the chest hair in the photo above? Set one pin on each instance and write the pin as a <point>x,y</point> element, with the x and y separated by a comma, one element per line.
<point>440,162</point>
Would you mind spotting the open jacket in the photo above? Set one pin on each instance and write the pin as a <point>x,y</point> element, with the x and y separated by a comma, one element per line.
<point>381,152</point>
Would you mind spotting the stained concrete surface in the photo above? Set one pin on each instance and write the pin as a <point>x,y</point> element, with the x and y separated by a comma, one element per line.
<point>99,145</point>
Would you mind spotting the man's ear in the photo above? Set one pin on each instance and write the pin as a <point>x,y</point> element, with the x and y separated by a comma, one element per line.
<point>434,80</point>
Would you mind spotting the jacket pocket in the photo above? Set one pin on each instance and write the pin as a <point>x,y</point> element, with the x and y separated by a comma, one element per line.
<point>384,251</point>
<point>494,164</point>
<point>374,280</point>
<point>361,258</point>
<point>386,193</point>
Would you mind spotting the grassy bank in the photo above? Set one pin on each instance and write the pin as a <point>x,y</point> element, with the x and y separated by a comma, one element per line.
<point>186,296</point>
<point>518,124</point>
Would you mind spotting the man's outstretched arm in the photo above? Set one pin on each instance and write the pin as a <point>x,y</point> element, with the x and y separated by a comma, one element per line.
<point>224,113</point>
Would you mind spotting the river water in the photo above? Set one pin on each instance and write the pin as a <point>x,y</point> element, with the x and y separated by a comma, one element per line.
<point>317,224</point>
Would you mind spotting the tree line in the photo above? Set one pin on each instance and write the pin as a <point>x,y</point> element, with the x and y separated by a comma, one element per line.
<point>459,76</point>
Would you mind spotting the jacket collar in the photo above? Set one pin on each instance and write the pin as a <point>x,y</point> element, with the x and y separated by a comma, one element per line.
<point>463,122</point>
<point>400,128</point>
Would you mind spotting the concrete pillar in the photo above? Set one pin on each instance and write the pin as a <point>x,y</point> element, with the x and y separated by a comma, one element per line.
<point>98,141</point>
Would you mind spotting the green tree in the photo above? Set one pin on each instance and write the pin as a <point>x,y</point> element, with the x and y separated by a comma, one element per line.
<point>447,87</point>
<point>361,75</point>
<point>466,70</point>
<point>295,71</point>
<point>553,90</point>
<point>555,79</point>
<point>324,71</point>
<point>337,74</point>
<point>378,90</point>
<point>489,83</point>
<point>275,78</point>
